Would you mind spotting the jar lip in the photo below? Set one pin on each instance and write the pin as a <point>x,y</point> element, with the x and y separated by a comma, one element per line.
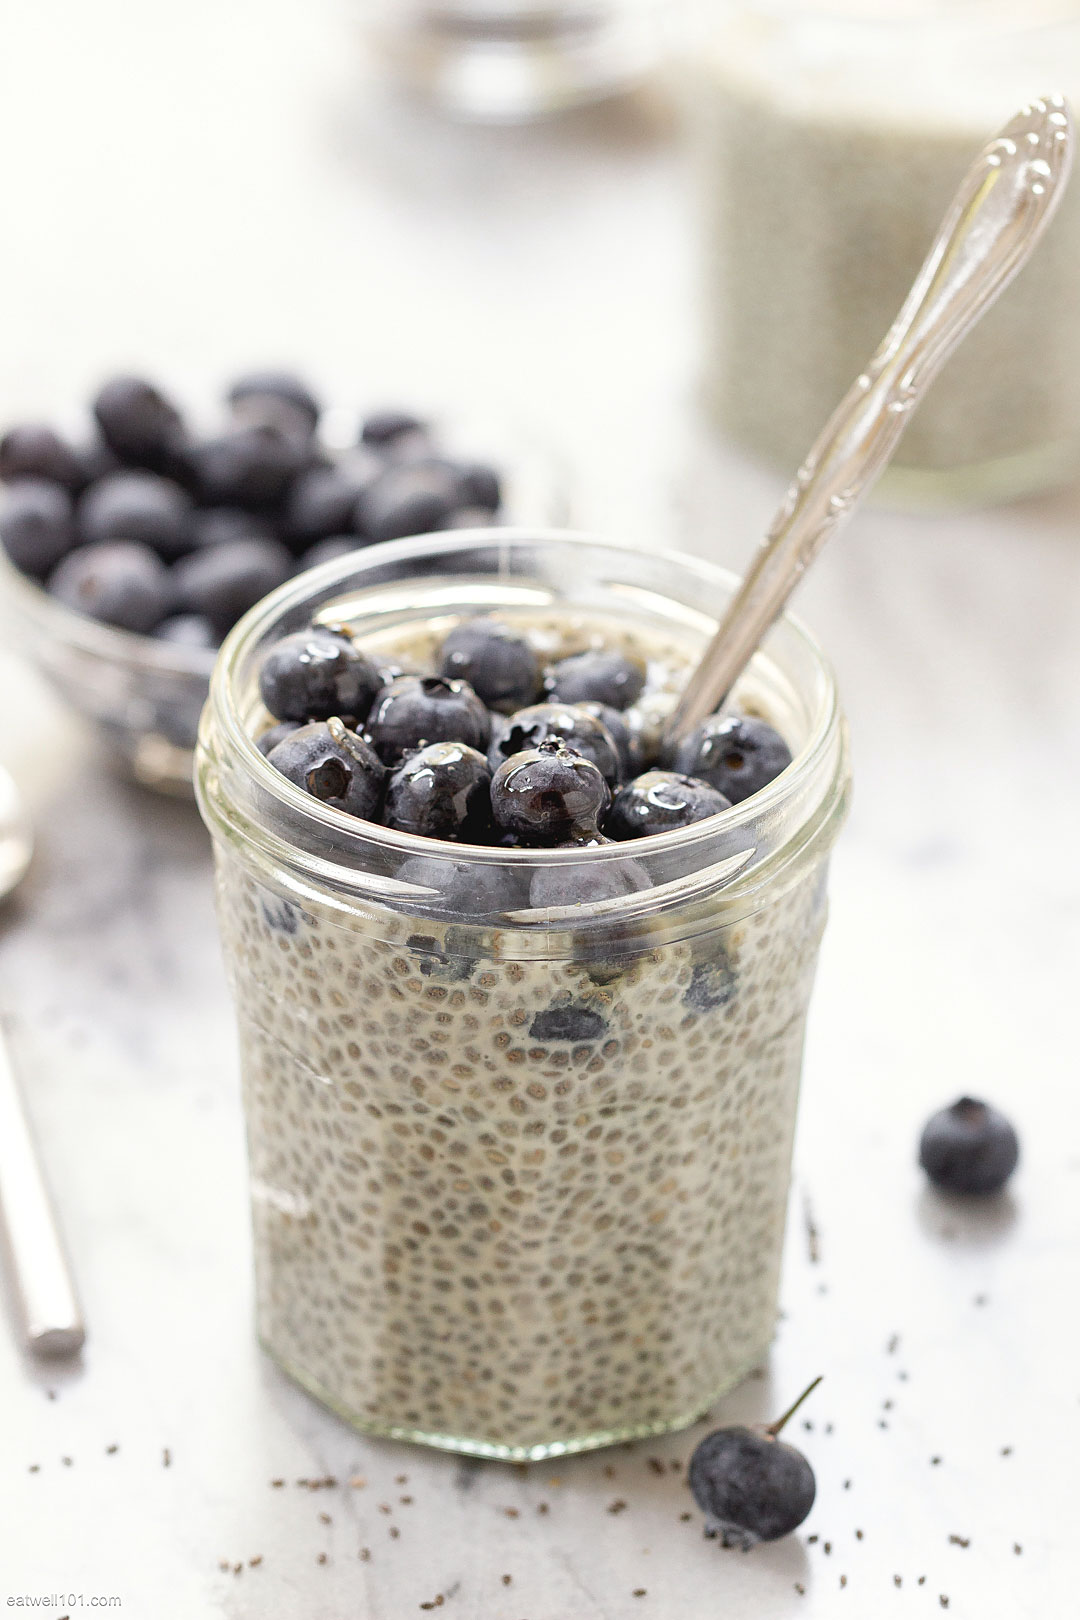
<point>401,844</point>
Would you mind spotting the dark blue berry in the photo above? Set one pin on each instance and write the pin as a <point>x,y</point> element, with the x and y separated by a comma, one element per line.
<point>187,630</point>
<point>586,883</point>
<point>529,727</point>
<point>36,525</point>
<point>329,550</point>
<point>596,677</point>
<point>222,582</point>
<point>32,450</point>
<point>735,754</point>
<point>479,487</point>
<point>251,466</point>
<point>216,525</point>
<point>138,505</point>
<point>320,502</point>
<point>411,498</point>
<point>659,802</point>
<point>549,795</point>
<point>417,709</point>
<point>119,582</point>
<point>452,965</point>
<point>333,764</point>
<point>441,791</point>
<point>751,1486</point>
<point>713,983</point>
<point>139,424</point>
<point>276,399</point>
<point>627,741</point>
<point>381,429</point>
<point>497,662</point>
<point>569,1021</point>
<point>969,1148</point>
<point>461,888</point>
<point>270,739</point>
<point>314,674</point>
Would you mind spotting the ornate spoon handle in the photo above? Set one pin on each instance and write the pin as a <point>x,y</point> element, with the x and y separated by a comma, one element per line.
<point>1001,209</point>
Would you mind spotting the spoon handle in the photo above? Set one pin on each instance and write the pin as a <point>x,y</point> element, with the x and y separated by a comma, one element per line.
<point>1004,203</point>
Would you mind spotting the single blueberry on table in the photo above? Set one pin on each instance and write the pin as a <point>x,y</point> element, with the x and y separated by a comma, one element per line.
<point>36,525</point>
<point>585,883</point>
<point>440,791</point>
<point>497,662</point>
<point>33,450</point>
<point>120,582</point>
<point>659,802</point>
<point>584,733</point>
<point>382,428</point>
<point>270,739</point>
<point>414,497</point>
<point>597,677</point>
<point>139,424</point>
<point>138,505</point>
<point>334,765</point>
<point>750,1485</point>
<point>734,753</point>
<point>222,582</point>
<point>276,399</point>
<point>187,630</point>
<point>549,795</point>
<point>417,709</point>
<point>570,1021</point>
<point>314,674</point>
<point>250,466</point>
<point>969,1148</point>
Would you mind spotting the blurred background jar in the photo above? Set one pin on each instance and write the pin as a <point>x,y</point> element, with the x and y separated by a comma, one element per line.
<point>509,61</point>
<point>830,139</point>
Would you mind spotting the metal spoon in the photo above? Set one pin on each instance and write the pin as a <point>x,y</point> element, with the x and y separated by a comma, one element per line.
<point>1003,206</point>
<point>45,1294</point>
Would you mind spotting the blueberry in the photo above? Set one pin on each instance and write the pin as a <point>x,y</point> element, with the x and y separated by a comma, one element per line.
<point>275,399</point>
<point>320,502</point>
<point>382,428</point>
<point>596,677</point>
<point>735,754</point>
<point>36,525</point>
<point>462,888</point>
<point>529,727</point>
<point>659,802</point>
<point>452,965</point>
<point>497,662</point>
<point>412,498</point>
<point>417,709</point>
<point>188,630</point>
<point>332,764</point>
<point>138,505</point>
<point>119,582</point>
<point>216,525</point>
<point>270,739</point>
<point>32,450</point>
<point>713,984</point>
<point>627,741</point>
<point>479,486</point>
<point>549,794</point>
<point>97,461</point>
<point>314,674</point>
<point>441,791</point>
<point>329,550</point>
<point>222,582</point>
<point>569,1021</point>
<point>250,466</point>
<point>750,1485</point>
<point>969,1148</point>
<point>586,883</point>
<point>139,424</point>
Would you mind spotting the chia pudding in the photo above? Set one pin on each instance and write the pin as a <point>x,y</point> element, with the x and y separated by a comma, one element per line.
<point>520,1170</point>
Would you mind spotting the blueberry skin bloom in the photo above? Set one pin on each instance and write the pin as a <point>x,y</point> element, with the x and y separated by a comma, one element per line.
<point>750,1486</point>
<point>138,505</point>
<point>333,764</point>
<point>597,677</point>
<point>441,791</point>
<point>36,525</point>
<point>498,664</point>
<point>417,709</point>
<point>33,450</point>
<point>119,582</point>
<point>583,732</point>
<point>138,423</point>
<point>733,753</point>
<point>316,673</point>
<point>969,1148</point>
<point>222,582</point>
<point>661,801</point>
<point>549,795</point>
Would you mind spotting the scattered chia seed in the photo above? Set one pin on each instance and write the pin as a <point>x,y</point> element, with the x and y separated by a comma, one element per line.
<point>609,1472</point>
<point>277,1484</point>
<point>1006,1451</point>
<point>357,1482</point>
<point>324,1518</point>
<point>800,1589</point>
<point>813,1236</point>
<point>166,1458</point>
<point>618,1506</point>
<point>893,1345</point>
<point>858,1535</point>
<point>110,1451</point>
<point>960,1541</point>
<point>238,1569</point>
<point>807,1424</point>
<point>223,1564</point>
<point>887,1406</point>
<point>253,1563</point>
<point>542,1507</point>
<point>50,1394</point>
<point>507,1580</point>
<point>981,1299</point>
<point>511,1513</point>
<point>935,1462</point>
<point>657,1465</point>
<point>35,1468</point>
<point>394,1532</point>
<point>686,1517</point>
<point>67,1462</point>
<point>843,1581</point>
<point>321,1559</point>
<point>943,1600</point>
<point>881,1423</point>
<point>406,1501</point>
<point>846,1485</point>
<point>811,1539</point>
<point>364,1555</point>
<point>897,1581</point>
<point>401,1479</point>
<point>922,1580</point>
<point>1017,1549</point>
<point>828,1428</point>
<point>827,1547</point>
<point>675,1465</point>
<point>384,1507</point>
<point>639,1591</point>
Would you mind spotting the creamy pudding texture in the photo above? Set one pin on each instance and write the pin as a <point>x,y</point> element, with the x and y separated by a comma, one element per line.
<point>508,1204</point>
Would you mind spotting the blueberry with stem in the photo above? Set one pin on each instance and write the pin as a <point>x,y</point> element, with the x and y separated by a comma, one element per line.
<point>751,1485</point>
<point>549,795</point>
<point>969,1148</point>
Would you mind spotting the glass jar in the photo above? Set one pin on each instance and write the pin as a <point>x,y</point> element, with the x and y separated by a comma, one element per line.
<point>831,139</point>
<point>519,1176</point>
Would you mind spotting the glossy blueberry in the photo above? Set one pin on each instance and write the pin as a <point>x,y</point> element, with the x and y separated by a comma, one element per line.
<point>32,450</point>
<point>411,498</point>
<point>320,502</point>
<point>479,486</point>
<point>216,525</point>
<point>119,582</point>
<point>529,727</point>
<point>329,550</point>
<point>418,709</point>
<point>250,466</point>
<point>187,630</point>
<point>222,582</point>
<point>441,791</point>
<point>751,1486</point>
<point>270,739</point>
<point>381,429</point>
<point>461,888</point>
<point>549,795</point>
<point>627,740</point>
<point>138,505</point>
<point>276,399</point>
<point>36,525</point>
<point>568,1021</point>
<point>498,664</point>
<point>969,1148</point>
<point>139,424</point>
<point>596,677</point>
<point>333,764</point>
<point>734,753</point>
<point>586,883</point>
<point>659,802</point>
<point>314,674</point>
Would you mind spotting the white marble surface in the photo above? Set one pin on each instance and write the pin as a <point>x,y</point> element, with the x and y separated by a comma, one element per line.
<point>195,188</point>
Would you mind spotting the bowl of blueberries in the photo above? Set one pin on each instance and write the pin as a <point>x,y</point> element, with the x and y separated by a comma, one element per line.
<point>131,546</point>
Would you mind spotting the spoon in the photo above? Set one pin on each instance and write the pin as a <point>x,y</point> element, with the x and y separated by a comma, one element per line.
<point>1004,204</point>
<point>45,1294</point>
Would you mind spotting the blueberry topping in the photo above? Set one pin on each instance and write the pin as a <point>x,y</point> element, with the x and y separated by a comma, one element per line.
<point>222,582</point>
<point>969,1148</point>
<point>461,888</point>
<point>661,801</point>
<point>332,764</point>
<point>750,1485</point>
<point>584,733</point>
<point>138,505</point>
<point>119,582</point>
<point>418,709</point>
<point>33,450</point>
<point>586,883</point>
<point>36,525</point>
<point>441,791</point>
<point>251,466</point>
<point>314,674</point>
<point>382,428</point>
<point>570,1021</point>
<point>215,525</point>
<point>413,498</point>
<point>275,399</point>
<point>187,630</point>
<point>596,677</point>
<point>452,965</point>
<point>498,664</point>
<point>549,795</point>
<point>733,753</point>
<point>479,486</point>
<point>270,739</point>
<point>328,550</point>
<point>627,741</point>
<point>139,424</point>
<point>320,503</point>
